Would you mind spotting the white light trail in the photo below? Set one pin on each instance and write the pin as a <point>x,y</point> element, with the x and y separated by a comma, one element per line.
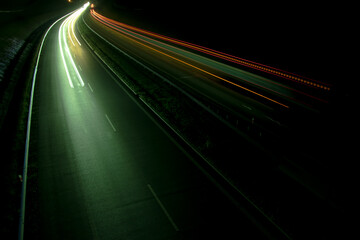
<point>63,57</point>
<point>66,56</point>
<point>72,28</point>
<point>70,19</point>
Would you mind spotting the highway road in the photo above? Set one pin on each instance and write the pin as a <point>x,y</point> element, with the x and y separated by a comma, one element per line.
<point>283,105</point>
<point>287,91</point>
<point>106,168</point>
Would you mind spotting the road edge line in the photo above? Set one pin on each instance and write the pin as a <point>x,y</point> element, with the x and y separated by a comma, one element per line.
<point>217,171</point>
<point>27,141</point>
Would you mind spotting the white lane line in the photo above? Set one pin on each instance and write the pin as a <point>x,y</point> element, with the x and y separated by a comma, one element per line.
<point>247,107</point>
<point>91,89</point>
<point>277,122</point>
<point>110,122</point>
<point>27,140</point>
<point>163,208</point>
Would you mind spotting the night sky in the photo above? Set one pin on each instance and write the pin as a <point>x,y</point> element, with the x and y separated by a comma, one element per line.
<point>299,36</point>
<point>294,36</point>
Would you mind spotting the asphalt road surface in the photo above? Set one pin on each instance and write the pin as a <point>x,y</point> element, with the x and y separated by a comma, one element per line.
<point>107,170</point>
<point>208,77</point>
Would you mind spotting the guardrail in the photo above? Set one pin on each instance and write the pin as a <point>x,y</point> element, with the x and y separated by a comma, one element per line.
<point>234,121</point>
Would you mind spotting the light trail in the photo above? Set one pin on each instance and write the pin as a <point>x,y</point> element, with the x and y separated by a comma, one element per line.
<point>73,20</point>
<point>195,67</point>
<point>72,28</point>
<point>214,75</point>
<point>70,19</point>
<point>27,141</point>
<point>67,27</point>
<point>251,64</point>
<point>62,55</point>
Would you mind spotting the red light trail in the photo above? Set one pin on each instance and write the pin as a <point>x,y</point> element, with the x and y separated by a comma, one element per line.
<point>251,64</point>
<point>137,33</point>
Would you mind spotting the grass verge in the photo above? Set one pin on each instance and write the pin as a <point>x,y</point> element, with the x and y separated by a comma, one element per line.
<point>15,94</point>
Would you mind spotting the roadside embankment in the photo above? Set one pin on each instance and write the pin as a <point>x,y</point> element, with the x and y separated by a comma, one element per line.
<point>20,39</point>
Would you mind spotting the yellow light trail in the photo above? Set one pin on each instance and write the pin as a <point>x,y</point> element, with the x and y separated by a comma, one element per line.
<point>207,72</point>
<point>72,23</point>
<point>63,57</point>
<point>214,75</point>
<point>67,20</point>
<point>69,24</point>
<point>228,57</point>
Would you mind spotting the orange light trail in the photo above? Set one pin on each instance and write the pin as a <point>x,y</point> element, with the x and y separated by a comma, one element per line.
<point>118,27</point>
<point>197,68</point>
<point>251,64</point>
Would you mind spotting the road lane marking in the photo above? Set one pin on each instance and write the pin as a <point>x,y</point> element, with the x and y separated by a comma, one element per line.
<point>217,171</point>
<point>163,208</point>
<point>90,87</point>
<point>191,65</point>
<point>247,107</point>
<point>110,122</point>
<point>27,140</point>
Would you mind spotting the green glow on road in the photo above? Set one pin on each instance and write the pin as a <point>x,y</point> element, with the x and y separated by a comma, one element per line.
<point>63,57</point>
<point>68,26</point>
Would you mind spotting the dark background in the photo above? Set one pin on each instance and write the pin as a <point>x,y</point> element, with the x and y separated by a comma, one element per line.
<point>305,37</point>
<point>311,38</point>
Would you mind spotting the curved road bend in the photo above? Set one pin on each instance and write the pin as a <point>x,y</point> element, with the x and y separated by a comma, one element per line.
<point>107,171</point>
